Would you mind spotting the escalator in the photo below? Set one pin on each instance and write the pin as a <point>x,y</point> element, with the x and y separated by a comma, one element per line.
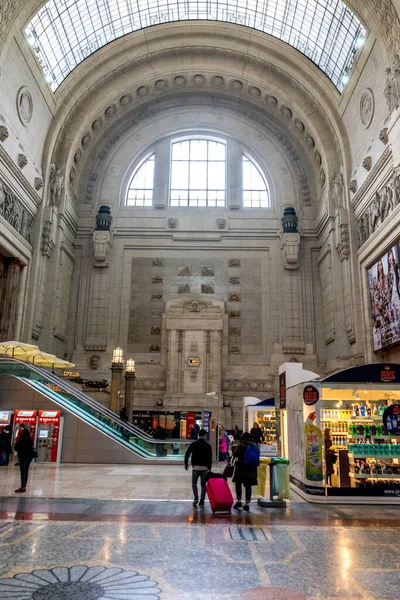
<point>93,413</point>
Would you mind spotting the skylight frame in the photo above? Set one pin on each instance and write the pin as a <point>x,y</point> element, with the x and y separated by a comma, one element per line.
<point>65,32</point>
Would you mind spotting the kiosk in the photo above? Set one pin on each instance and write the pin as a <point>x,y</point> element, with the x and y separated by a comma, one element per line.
<point>263,413</point>
<point>49,437</point>
<point>343,434</point>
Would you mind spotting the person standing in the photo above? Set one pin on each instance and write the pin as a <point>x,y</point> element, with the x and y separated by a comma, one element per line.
<point>194,434</point>
<point>257,434</point>
<point>24,449</point>
<point>245,473</point>
<point>201,454</point>
<point>160,434</point>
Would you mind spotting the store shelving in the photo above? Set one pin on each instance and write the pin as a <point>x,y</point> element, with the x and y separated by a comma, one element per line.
<point>371,476</point>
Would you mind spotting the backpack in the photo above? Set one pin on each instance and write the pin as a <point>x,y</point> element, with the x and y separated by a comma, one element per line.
<point>252,455</point>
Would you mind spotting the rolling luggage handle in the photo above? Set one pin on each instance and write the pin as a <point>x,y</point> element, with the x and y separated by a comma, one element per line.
<point>271,502</point>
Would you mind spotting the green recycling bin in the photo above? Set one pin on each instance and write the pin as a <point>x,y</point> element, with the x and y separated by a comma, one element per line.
<point>279,488</point>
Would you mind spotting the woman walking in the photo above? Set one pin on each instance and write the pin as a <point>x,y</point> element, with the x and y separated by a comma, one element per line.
<point>24,449</point>
<point>245,474</point>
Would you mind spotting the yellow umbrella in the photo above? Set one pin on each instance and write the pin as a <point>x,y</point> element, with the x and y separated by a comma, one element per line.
<point>18,350</point>
<point>44,359</point>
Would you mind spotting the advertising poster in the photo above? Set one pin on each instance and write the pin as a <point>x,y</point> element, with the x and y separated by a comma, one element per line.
<point>384,289</point>
<point>282,390</point>
<point>313,448</point>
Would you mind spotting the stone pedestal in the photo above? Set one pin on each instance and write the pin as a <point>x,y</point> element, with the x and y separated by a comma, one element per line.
<point>129,393</point>
<point>116,386</point>
<point>9,299</point>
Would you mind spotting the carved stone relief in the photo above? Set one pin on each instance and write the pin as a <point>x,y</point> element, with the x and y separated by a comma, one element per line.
<point>157,279</point>
<point>184,289</point>
<point>378,210</point>
<point>172,223</point>
<point>185,272</point>
<point>234,314</point>
<point>383,136</point>
<point>207,289</point>
<point>56,185</point>
<point>353,186</point>
<point>14,212</point>
<point>367,108</point>
<point>234,280</point>
<point>154,348</point>
<point>246,385</point>
<point>367,163</point>
<point>155,331</point>
<point>221,223</point>
<point>47,245</point>
<point>24,105</point>
<point>234,297</point>
<point>22,160</point>
<point>156,297</point>
<point>3,133</point>
<point>38,183</point>
<point>157,262</point>
<point>94,361</point>
<point>234,262</point>
<point>235,331</point>
<point>207,272</point>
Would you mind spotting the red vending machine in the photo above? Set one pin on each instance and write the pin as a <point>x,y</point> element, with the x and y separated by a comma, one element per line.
<point>49,437</point>
<point>28,418</point>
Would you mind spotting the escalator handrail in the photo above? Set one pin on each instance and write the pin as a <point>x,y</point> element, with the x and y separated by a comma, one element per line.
<point>88,400</point>
<point>137,449</point>
<point>92,402</point>
<point>80,395</point>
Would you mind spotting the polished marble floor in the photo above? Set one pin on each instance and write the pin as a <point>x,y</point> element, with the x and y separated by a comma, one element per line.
<point>102,533</point>
<point>66,549</point>
<point>108,482</point>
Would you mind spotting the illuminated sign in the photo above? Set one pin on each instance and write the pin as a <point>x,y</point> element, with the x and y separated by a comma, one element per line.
<point>310,395</point>
<point>71,374</point>
<point>194,362</point>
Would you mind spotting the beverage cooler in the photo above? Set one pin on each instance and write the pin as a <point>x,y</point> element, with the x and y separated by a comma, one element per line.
<point>343,435</point>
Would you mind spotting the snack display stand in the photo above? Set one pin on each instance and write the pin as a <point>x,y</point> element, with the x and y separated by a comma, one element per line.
<point>343,435</point>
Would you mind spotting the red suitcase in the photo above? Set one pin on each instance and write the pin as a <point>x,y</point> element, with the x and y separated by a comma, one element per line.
<point>219,495</point>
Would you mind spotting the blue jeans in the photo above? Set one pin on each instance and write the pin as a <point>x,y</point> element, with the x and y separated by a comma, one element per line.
<point>195,476</point>
<point>247,487</point>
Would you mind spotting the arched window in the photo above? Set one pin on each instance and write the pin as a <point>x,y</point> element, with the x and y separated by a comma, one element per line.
<point>255,190</point>
<point>140,190</point>
<point>198,173</point>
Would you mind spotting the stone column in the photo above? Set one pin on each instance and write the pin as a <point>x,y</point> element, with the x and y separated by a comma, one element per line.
<point>129,393</point>
<point>10,300</point>
<point>116,386</point>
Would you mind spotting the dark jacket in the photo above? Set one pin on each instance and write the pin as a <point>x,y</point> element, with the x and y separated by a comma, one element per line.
<point>160,433</point>
<point>24,445</point>
<point>330,460</point>
<point>5,440</point>
<point>194,434</point>
<point>201,454</point>
<point>243,472</point>
<point>257,435</point>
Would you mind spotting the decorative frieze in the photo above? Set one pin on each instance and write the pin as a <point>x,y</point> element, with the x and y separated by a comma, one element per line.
<point>383,136</point>
<point>377,211</point>
<point>38,183</point>
<point>247,385</point>
<point>22,160</point>
<point>15,213</point>
<point>149,384</point>
<point>367,163</point>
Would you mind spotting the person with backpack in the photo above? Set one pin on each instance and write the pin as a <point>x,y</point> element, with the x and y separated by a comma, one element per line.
<point>245,474</point>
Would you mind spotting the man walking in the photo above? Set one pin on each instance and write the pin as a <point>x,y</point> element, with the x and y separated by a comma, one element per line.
<point>201,453</point>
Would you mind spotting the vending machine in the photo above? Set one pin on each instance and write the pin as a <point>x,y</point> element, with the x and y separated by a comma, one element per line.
<point>5,419</point>
<point>28,418</point>
<point>49,437</point>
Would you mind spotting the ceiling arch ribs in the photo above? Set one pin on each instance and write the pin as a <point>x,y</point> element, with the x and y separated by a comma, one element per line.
<point>80,99</point>
<point>303,165</point>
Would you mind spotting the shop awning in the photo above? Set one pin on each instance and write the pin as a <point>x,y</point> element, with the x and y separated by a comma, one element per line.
<point>252,401</point>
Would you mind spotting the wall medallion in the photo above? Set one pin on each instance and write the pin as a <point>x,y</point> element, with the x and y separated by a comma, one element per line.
<point>367,108</point>
<point>24,105</point>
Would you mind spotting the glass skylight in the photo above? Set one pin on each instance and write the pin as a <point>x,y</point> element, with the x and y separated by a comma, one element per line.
<point>64,32</point>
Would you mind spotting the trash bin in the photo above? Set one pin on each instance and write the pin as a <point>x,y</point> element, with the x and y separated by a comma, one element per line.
<point>278,483</point>
<point>260,488</point>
